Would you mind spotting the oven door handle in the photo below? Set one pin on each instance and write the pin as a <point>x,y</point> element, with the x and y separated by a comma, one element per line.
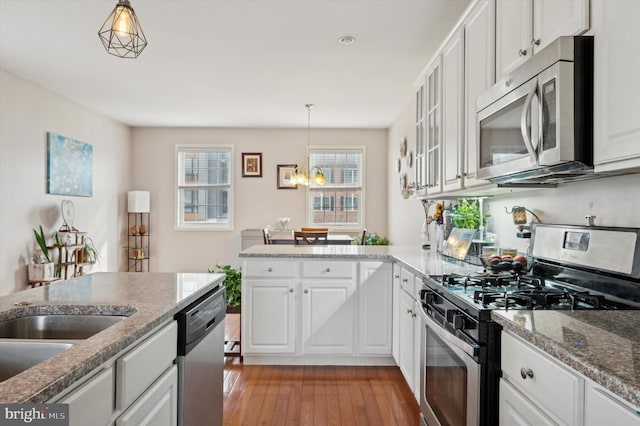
<point>523,123</point>
<point>471,350</point>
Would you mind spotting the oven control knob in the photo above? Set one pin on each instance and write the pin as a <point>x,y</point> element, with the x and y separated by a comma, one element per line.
<point>429,298</point>
<point>459,322</point>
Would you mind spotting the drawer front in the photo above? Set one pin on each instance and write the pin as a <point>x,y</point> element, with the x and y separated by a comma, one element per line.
<point>267,268</point>
<point>325,269</point>
<point>553,387</point>
<point>141,366</point>
<point>92,403</point>
<point>158,406</point>
<point>408,282</point>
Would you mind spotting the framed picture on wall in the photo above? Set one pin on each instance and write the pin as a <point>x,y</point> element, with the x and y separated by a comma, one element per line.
<point>251,164</point>
<point>285,175</point>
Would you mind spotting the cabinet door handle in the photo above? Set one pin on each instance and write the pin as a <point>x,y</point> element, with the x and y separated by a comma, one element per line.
<point>270,269</point>
<point>405,280</point>
<point>526,372</point>
<point>522,52</point>
<point>535,42</point>
<point>397,276</point>
<point>328,270</point>
<point>413,315</point>
<point>306,290</point>
<point>409,311</point>
<point>290,290</point>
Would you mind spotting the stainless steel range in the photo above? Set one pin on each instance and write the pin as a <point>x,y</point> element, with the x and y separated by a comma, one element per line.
<point>573,267</point>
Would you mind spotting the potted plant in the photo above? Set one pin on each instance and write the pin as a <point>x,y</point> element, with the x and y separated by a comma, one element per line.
<point>373,239</point>
<point>467,215</point>
<point>233,284</point>
<point>88,253</point>
<point>41,268</point>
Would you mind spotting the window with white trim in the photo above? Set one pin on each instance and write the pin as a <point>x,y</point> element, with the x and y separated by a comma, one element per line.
<point>338,203</point>
<point>204,198</point>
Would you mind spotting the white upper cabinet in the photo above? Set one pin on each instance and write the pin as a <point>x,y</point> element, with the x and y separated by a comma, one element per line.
<point>514,29</point>
<point>433,133</point>
<point>616,139</point>
<point>479,60</point>
<point>524,27</point>
<point>453,111</point>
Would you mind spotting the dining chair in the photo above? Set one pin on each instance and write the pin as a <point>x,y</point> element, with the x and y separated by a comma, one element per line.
<point>314,229</point>
<point>266,236</point>
<point>316,238</point>
<point>364,236</point>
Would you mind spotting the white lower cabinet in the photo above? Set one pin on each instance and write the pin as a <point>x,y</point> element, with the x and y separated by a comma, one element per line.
<point>604,408</point>
<point>93,402</point>
<point>316,311</point>
<point>517,410</point>
<point>375,308</point>
<point>268,315</point>
<point>408,353</point>
<point>545,382</point>
<point>537,389</point>
<point>395,314</point>
<point>137,387</point>
<point>158,406</point>
<point>327,316</point>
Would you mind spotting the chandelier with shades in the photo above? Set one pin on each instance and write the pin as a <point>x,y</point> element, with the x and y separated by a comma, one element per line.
<point>302,174</point>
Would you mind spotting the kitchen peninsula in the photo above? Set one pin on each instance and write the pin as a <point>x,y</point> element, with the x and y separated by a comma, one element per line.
<point>341,305</point>
<point>149,301</point>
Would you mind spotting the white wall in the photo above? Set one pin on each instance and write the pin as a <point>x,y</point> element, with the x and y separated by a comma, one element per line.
<point>257,200</point>
<point>615,201</point>
<point>405,215</point>
<point>27,113</point>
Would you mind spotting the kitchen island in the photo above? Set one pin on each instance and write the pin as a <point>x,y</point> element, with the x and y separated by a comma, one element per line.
<point>149,300</point>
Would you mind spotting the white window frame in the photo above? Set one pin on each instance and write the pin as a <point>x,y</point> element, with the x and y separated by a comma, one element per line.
<point>184,226</point>
<point>310,189</point>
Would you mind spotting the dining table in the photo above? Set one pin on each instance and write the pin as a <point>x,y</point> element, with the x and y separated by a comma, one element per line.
<point>286,237</point>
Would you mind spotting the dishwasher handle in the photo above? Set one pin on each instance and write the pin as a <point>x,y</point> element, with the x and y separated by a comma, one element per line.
<point>199,319</point>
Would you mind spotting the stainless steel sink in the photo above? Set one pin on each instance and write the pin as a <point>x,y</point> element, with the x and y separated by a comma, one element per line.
<point>59,327</point>
<point>19,355</point>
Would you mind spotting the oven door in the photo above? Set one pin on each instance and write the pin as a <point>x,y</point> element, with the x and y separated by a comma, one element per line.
<point>449,378</point>
<point>508,132</point>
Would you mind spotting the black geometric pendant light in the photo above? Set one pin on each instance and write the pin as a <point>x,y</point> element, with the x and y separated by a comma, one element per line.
<point>121,33</point>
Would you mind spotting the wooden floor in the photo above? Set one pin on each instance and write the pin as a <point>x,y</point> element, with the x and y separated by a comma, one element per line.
<point>314,395</point>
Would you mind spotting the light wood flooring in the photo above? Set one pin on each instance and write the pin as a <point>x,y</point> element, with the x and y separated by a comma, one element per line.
<point>314,395</point>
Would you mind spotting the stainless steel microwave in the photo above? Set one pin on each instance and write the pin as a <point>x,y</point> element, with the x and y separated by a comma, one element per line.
<point>535,126</point>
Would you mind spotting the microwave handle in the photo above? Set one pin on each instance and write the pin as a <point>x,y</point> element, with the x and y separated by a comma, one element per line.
<point>523,122</point>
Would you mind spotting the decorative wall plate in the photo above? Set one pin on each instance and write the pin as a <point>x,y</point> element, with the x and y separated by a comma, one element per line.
<point>68,214</point>
<point>403,147</point>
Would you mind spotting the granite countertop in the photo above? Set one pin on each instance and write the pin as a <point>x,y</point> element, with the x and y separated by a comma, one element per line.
<point>149,299</point>
<point>419,261</point>
<point>602,345</point>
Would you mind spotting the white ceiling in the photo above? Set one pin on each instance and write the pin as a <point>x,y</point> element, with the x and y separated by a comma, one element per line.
<point>232,63</point>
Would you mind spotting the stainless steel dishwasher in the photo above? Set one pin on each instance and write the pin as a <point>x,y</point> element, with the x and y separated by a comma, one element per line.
<point>201,360</point>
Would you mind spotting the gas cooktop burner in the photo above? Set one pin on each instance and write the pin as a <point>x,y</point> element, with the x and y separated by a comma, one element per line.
<point>515,291</point>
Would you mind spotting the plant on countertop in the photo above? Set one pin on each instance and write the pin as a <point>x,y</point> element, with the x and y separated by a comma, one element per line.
<point>373,239</point>
<point>232,282</point>
<point>467,215</point>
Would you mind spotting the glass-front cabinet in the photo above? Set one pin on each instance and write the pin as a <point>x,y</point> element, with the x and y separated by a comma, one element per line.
<point>428,131</point>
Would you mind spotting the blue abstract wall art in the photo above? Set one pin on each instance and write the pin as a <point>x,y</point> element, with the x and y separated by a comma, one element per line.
<point>70,166</point>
